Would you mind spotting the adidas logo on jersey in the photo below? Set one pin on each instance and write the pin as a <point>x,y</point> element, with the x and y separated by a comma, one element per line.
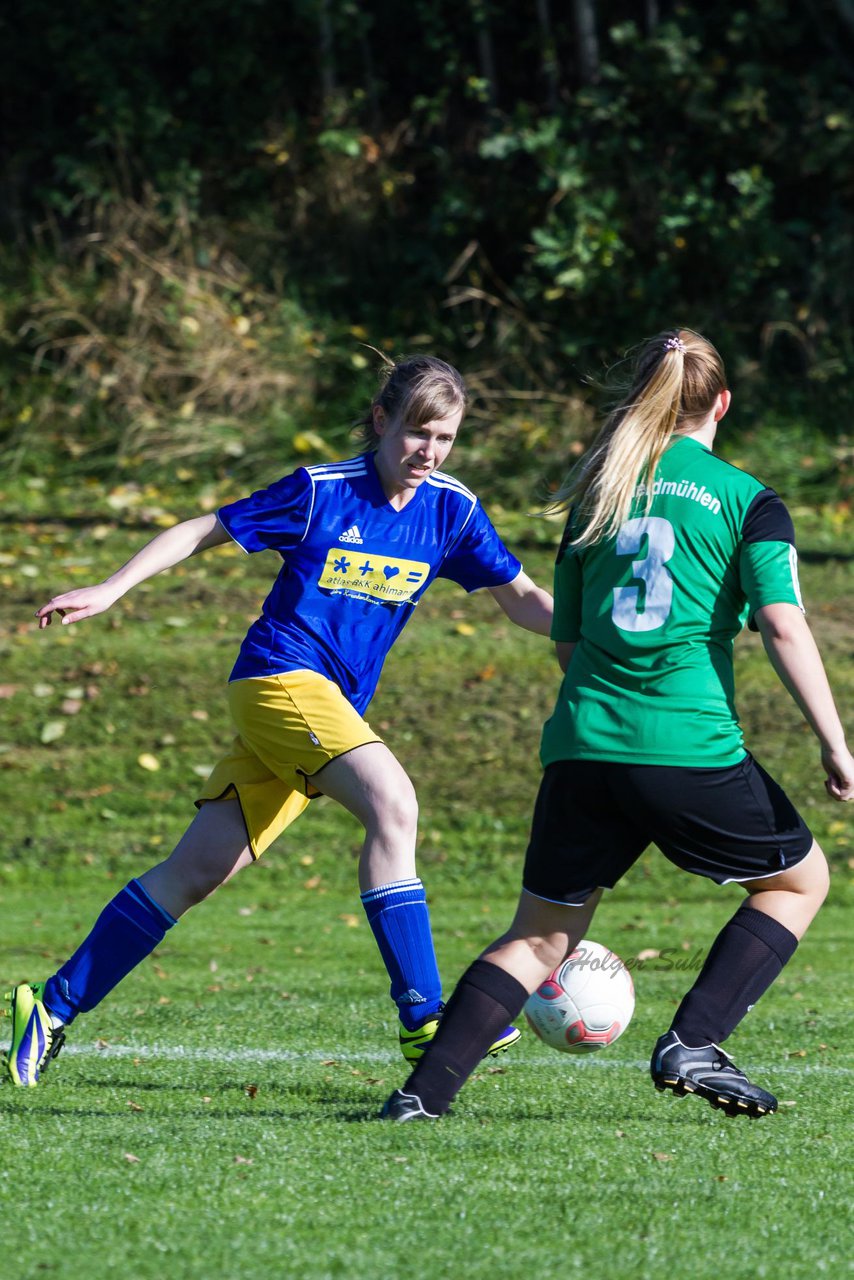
<point>351,535</point>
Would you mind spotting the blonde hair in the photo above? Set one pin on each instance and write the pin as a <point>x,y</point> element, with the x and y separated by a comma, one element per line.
<point>414,390</point>
<point>677,377</point>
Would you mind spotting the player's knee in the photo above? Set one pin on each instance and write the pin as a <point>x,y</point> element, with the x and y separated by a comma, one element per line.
<point>819,877</point>
<point>548,948</point>
<point>397,814</point>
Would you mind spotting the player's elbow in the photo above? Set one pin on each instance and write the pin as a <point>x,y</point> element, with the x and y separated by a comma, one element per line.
<point>780,624</point>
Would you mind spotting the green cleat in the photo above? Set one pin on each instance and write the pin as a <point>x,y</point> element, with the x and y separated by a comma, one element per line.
<point>34,1041</point>
<point>413,1043</point>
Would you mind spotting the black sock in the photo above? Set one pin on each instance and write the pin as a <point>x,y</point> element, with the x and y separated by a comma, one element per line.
<point>485,1000</point>
<point>745,958</point>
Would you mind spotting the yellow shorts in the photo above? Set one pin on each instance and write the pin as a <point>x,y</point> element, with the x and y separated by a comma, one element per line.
<point>289,726</point>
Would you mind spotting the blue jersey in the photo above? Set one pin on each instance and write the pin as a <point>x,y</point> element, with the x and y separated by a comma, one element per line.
<point>354,567</point>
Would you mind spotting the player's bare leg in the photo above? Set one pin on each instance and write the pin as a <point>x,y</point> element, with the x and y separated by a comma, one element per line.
<point>793,897</point>
<point>214,847</point>
<point>541,935</point>
<point>371,783</point>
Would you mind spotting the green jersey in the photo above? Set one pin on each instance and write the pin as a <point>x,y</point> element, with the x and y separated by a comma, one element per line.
<point>653,613</point>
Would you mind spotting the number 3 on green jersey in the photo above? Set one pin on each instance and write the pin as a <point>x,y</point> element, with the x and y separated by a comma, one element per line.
<point>647,609</point>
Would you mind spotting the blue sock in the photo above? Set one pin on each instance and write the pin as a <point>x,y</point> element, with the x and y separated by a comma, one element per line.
<point>398,915</point>
<point>126,931</point>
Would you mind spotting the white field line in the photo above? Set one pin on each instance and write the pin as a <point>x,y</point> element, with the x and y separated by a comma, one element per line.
<point>180,1053</point>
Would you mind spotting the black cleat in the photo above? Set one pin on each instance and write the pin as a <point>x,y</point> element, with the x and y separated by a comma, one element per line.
<point>405,1106</point>
<point>711,1074</point>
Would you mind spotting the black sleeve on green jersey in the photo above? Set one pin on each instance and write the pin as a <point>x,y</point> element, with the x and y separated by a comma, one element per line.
<point>769,569</point>
<point>767,520</point>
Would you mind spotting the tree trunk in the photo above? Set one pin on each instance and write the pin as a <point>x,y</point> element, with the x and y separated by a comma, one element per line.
<point>549,62</point>
<point>584,12</point>
<point>327,52</point>
<point>485,51</point>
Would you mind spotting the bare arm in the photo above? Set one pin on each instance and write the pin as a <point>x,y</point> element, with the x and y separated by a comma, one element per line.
<point>525,603</point>
<point>794,655</point>
<point>167,549</point>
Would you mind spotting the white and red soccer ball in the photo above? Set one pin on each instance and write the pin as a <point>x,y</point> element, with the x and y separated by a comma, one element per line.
<point>586,1003</point>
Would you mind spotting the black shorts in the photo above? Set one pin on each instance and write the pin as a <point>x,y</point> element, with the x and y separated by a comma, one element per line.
<point>593,819</point>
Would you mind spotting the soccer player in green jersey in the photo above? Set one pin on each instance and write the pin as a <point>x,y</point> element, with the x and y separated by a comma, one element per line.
<point>667,552</point>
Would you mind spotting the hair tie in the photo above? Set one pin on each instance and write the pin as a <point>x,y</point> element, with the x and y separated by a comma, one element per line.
<point>674,344</point>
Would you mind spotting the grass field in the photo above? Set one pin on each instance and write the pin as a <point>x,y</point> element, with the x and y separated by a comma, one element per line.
<point>217,1115</point>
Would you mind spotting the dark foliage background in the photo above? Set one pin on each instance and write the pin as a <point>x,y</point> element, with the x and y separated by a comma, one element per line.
<point>528,188</point>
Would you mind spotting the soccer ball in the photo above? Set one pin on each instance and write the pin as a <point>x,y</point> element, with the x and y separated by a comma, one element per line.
<point>586,1003</point>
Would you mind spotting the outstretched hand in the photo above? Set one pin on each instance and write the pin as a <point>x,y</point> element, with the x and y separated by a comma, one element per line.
<point>73,606</point>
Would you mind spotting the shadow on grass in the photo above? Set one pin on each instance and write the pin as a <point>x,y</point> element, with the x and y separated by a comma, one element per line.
<point>270,1101</point>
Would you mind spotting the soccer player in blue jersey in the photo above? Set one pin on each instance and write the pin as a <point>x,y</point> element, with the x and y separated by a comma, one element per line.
<point>668,550</point>
<point>360,543</point>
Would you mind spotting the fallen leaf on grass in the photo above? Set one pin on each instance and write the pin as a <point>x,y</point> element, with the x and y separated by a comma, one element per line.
<point>661,1155</point>
<point>798,1053</point>
<point>486,673</point>
<point>243,1160</point>
<point>649,953</point>
<point>131,1159</point>
<point>51,731</point>
<point>148,761</point>
<point>134,1106</point>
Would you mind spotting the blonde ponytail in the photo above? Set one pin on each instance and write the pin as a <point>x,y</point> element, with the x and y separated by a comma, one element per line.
<point>678,374</point>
